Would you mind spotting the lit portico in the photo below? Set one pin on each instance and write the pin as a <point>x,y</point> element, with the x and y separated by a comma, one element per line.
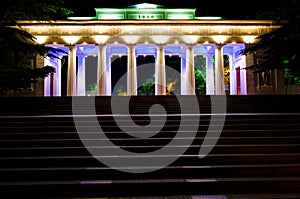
<point>147,30</point>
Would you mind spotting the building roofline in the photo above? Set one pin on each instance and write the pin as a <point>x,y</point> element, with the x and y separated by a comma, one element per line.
<point>151,22</point>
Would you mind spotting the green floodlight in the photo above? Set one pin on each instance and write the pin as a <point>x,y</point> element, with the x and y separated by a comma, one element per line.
<point>146,6</point>
<point>143,11</point>
<point>208,18</point>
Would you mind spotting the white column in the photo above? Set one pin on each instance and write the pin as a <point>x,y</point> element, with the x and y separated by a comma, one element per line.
<point>190,71</point>
<point>243,74</point>
<point>219,70</point>
<point>101,71</point>
<point>71,80</point>
<point>81,76</point>
<point>47,79</point>
<point>108,74</point>
<point>210,79</point>
<point>183,74</point>
<point>55,77</point>
<point>58,78</point>
<point>131,71</point>
<point>232,75</point>
<point>160,72</point>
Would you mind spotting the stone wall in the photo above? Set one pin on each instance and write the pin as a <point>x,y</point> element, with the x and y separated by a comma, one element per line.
<point>37,89</point>
<point>39,86</point>
<point>251,88</point>
<point>293,89</point>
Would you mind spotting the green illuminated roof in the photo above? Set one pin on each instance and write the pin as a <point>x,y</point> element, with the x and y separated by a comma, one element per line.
<point>144,11</point>
<point>146,6</point>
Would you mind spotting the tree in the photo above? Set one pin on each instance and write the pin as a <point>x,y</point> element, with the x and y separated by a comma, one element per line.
<point>16,44</point>
<point>279,49</point>
<point>200,75</point>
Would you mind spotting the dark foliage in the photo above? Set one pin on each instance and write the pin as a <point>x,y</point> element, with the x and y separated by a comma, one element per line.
<point>279,48</point>
<point>16,45</point>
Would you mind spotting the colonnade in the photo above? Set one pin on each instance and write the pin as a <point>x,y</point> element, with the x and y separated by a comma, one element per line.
<point>214,71</point>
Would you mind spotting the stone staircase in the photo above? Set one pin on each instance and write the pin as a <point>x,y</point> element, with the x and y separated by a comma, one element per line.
<point>42,155</point>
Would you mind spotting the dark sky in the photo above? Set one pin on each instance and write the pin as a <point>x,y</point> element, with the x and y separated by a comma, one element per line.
<point>228,9</point>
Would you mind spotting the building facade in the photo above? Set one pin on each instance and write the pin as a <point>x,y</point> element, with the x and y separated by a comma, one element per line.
<point>119,51</point>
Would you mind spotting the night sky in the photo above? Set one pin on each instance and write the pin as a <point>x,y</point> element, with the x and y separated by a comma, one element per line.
<point>229,9</point>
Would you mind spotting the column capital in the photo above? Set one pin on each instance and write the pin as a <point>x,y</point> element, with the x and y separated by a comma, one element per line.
<point>70,47</point>
<point>160,45</point>
<point>219,46</point>
<point>132,46</point>
<point>101,45</point>
<point>190,46</point>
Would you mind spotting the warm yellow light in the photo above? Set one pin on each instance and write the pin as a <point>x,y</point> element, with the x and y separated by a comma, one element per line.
<point>219,29</point>
<point>81,18</point>
<point>239,30</point>
<point>249,39</point>
<point>160,39</point>
<point>189,28</point>
<point>70,39</point>
<point>101,39</point>
<point>190,39</point>
<point>120,55</point>
<point>128,29</point>
<point>220,39</point>
<point>41,39</point>
<point>131,39</point>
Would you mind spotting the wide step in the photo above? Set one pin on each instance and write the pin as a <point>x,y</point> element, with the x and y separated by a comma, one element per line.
<point>43,156</point>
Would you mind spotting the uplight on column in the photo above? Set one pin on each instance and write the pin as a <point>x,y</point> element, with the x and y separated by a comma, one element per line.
<point>101,39</point>
<point>220,39</point>
<point>41,39</point>
<point>71,40</point>
<point>160,39</point>
<point>131,39</point>
<point>249,39</point>
<point>191,39</point>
